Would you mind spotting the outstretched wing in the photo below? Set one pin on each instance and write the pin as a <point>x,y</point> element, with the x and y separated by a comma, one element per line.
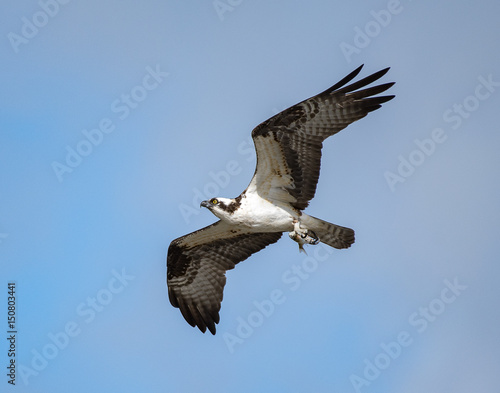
<point>196,267</point>
<point>289,144</point>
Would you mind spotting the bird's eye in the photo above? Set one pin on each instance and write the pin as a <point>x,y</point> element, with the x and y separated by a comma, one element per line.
<point>214,201</point>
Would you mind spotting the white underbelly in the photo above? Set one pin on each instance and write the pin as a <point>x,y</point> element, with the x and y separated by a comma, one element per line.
<point>262,215</point>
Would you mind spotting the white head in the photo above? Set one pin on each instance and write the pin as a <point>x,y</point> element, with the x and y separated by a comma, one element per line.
<point>223,208</point>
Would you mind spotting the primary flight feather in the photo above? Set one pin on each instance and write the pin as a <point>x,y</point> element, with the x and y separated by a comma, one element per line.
<point>288,147</point>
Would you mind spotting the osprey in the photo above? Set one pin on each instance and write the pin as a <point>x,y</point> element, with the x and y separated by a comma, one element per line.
<point>288,147</point>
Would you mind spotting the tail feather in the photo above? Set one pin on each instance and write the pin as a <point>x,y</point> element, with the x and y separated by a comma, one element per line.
<point>334,235</point>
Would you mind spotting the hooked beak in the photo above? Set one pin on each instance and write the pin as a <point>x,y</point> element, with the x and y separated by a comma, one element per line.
<point>205,204</point>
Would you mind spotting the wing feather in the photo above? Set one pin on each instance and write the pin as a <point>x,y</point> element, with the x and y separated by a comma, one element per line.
<point>289,144</point>
<point>196,267</point>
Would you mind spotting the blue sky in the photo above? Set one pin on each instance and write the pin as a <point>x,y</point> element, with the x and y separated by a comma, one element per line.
<point>116,118</point>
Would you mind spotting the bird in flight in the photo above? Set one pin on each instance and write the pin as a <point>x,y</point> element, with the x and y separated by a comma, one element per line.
<point>288,147</point>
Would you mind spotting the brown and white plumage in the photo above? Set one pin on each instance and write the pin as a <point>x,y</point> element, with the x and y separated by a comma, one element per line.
<point>296,135</point>
<point>288,147</point>
<point>197,264</point>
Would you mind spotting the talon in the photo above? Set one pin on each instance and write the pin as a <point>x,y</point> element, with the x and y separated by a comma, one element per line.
<point>314,239</point>
<point>303,236</point>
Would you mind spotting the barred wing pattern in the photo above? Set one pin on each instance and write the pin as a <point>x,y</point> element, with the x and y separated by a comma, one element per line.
<point>288,148</point>
<point>196,267</point>
<point>289,144</point>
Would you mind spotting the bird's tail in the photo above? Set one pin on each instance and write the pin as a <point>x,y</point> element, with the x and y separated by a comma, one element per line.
<point>331,234</point>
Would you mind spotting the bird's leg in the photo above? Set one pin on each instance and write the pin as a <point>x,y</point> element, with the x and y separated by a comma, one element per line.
<point>303,235</point>
<point>294,235</point>
<point>310,237</point>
